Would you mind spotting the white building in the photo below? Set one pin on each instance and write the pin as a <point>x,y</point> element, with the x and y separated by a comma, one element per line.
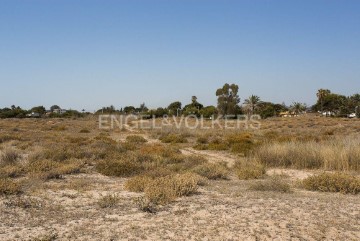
<point>59,111</point>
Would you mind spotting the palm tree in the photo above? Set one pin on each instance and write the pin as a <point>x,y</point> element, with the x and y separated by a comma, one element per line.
<point>298,107</point>
<point>252,102</point>
<point>321,95</point>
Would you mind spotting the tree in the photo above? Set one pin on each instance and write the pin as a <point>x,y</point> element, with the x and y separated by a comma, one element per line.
<point>268,109</point>
<point>129,109</point>
<point>208,111</point>
<point>321,94</point>
<point>298,107</point>
<point>193,108</point>
<point>174,107</point>
<point>228,100</point>
<point>54,107</point>
<point>39,109</point>
<point>251,103</point>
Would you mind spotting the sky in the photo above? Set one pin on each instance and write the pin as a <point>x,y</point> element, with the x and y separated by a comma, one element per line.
<point>93,53</point>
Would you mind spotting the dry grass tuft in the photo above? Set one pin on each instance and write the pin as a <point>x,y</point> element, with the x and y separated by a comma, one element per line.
<point>337,154</point>
<point>108,201</point>
<point>249,169</point>
<point>333,182</point>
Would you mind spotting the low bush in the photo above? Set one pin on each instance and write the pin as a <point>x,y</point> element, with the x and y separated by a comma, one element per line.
<point>249,170</point>
<point>48,169</point>
<point>119,168</point>
<point>137,183</point>
<point>274,184</point>
<point>333,182</point>
<point>173,138</point>
<point>84,130</point>
<point>211,171</point>
<point>108,201</point>
<point>9,187</point>
<point>11,171</point>
<point>9,157</point>
<point>136,139</point>
<point>166,189</point>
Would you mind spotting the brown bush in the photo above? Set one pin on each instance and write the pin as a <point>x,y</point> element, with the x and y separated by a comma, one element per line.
<point>274,184</point>
<point>249,170</point>
<point>9,187</point>
<point>211,171</point>
<point>333,182</point>
<point>166,189</point>
<point>119,168</point>
<point>136,139</point>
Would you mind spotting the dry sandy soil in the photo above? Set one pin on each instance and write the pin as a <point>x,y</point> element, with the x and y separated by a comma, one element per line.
<point>222,210</point>
<point>68,209</point>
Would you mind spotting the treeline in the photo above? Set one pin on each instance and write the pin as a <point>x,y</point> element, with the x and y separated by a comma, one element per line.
<point>37,111</point>
<point>228,103</point>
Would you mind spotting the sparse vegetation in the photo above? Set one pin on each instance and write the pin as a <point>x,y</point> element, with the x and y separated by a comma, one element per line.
<point>109,201</point>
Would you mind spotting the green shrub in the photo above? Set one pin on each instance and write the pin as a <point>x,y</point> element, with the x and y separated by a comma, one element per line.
<point>333,182</point>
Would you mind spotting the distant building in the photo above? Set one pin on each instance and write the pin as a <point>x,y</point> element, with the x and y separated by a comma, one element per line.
<point>59,111</point>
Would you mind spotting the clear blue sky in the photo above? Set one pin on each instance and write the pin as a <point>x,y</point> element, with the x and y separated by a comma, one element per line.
<point>92,53</point>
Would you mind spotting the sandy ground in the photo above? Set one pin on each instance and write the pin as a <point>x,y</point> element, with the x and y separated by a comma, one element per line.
<point>222,210</point>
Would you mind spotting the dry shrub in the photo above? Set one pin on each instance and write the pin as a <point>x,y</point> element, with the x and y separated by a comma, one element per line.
<point>9,187</point>
<point>109,201</point>
<point>11,171</point>
<point>183,163</point>
<point>145,205</point>
<point>84,130</point>
<point>48,169</point>
<point>9,156</point>
<point>337,154</point>
<point>333,182</point>
<point>137,183</point>
<point>173,138</point>
<point>163,190</point>
<point>24,202</point>
<point>136,139</point>
<point>159,150</point>
<point>249,169</point>
<point>202,140</point>
<point>274,184</point>
<point>211,171</point>
<point>119,168</point>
